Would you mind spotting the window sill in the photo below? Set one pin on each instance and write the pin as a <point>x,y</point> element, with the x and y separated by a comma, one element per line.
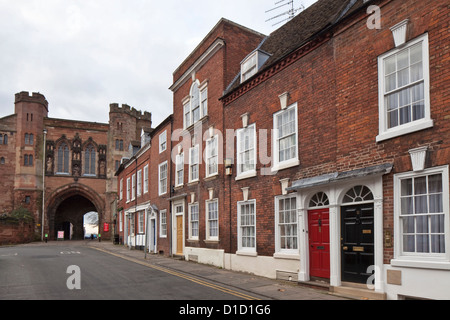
<point>287,256</point>
<point>412,262</point>
<point>246,175</point>
<point>284,165</point>
<point>405,129</point>
<point>247,253</point>
<point>192,183</point>
<point>211,177</point>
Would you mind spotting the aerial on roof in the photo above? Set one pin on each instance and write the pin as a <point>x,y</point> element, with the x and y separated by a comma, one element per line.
<point>301,29</point>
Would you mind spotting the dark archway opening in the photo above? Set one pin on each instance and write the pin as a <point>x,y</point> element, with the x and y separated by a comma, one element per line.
<point>69,217</point>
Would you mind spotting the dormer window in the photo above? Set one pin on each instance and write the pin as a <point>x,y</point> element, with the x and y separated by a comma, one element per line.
<point>252,63</point>
<point>248,68</point>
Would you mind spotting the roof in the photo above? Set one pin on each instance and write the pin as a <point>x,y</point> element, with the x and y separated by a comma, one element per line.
<point>303,28</point>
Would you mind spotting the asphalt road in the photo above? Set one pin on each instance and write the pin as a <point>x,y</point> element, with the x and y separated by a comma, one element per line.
<point>71,271</point>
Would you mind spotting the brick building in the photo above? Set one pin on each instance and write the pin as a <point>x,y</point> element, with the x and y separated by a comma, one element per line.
<point>319,153</point>
<point>200,217</point>
<point>354,117</point>
<point>143,208</point>
<point>79,166</point>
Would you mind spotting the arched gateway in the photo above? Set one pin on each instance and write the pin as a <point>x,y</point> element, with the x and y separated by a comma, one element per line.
<point>67,205</point>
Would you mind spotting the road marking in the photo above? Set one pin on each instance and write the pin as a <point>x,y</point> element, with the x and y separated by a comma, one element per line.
<point>9,255</point>
<point>70,252</point>
<point>182,275</point>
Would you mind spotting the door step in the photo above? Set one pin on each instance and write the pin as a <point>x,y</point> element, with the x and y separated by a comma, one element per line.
<point>357,291</point>
<point>316,284</point>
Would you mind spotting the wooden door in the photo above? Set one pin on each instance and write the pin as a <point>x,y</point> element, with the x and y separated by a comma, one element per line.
<point>179,234</point>
<point>357,242</point>
<point>319,243</point>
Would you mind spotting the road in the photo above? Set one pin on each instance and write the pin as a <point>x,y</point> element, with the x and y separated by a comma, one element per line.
<point>74,271</point>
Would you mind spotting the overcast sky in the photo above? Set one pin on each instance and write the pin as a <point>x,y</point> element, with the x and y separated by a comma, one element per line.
<point>85,54</point>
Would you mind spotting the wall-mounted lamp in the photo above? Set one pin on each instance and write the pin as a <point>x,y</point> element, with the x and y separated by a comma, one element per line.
<point>228,166</point>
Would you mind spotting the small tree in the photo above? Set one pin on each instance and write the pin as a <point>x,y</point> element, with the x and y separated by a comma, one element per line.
<point>22,214</point>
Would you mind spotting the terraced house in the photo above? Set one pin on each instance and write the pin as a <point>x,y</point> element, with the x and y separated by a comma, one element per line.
<point>318,154</point>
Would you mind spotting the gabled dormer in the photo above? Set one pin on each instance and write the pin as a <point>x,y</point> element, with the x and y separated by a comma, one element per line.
<point>145,136</point>
<point>252,63</point>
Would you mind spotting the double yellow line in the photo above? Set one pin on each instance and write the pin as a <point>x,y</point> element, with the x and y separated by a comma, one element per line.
<point>183,276</point>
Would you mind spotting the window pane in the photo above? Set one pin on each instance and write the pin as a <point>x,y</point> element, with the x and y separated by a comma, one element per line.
<point>436,205</point>
<point>437,223</point>
<point>403,77</point>
<point>420,185</point>
<point>405,115</point>
<point>408,243</point>
<point>406,187</point>
<point>416,72</point>
<point>389,65</point>
<point>420,204</point>
<point>403,59</point>
<point>407,205</point>
<point>438,243</point>
<point>417,92</point>
<point>418,111</point>
<point>391,82</point>
<point>408,225</point>
<point>393,119</point>
<point>422,243</point>
<point>416,53</point>
<point>435,183</point>
<point>392,101</point>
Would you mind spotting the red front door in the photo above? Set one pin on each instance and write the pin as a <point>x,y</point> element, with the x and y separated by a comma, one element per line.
<point>319,243</point>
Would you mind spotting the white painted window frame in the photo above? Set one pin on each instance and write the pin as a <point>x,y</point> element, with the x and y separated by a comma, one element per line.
<point>277,164</point>
<point>240,135</point>
<point>241,249</point>
<point>413,126</point>
<point>421,260</point>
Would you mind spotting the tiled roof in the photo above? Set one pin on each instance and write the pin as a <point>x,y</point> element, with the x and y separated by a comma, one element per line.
<point>301,29</point>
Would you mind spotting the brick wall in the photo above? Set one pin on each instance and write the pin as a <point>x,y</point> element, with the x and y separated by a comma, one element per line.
<point>14,233</point>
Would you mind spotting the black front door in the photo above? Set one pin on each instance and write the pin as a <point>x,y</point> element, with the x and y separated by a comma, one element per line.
<point>357,248</point>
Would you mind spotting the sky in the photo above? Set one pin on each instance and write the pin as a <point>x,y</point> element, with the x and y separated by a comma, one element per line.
<point>83,55</point>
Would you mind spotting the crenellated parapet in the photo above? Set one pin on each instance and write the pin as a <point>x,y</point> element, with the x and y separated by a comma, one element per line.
<point>115,108</point>
<point>35,97</point>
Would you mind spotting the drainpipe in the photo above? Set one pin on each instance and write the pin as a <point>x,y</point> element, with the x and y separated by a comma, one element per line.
<point>169,230</point>
<point>43,185</point>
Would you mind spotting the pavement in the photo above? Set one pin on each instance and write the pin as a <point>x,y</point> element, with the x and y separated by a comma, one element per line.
<point>261,287</point>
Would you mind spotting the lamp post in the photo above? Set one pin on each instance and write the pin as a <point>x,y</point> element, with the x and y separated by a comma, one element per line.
<point>43,185</point>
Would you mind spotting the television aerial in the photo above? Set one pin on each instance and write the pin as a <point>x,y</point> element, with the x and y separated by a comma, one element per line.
<point>289,13</point>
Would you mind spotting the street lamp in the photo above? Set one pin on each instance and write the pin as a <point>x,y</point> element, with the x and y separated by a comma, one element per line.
<point>43,185</point>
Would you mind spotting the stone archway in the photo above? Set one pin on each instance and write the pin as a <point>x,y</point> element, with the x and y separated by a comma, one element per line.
<point>66,207</point>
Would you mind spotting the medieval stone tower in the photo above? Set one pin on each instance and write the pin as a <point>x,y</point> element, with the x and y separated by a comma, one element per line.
<point>73,161</point>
